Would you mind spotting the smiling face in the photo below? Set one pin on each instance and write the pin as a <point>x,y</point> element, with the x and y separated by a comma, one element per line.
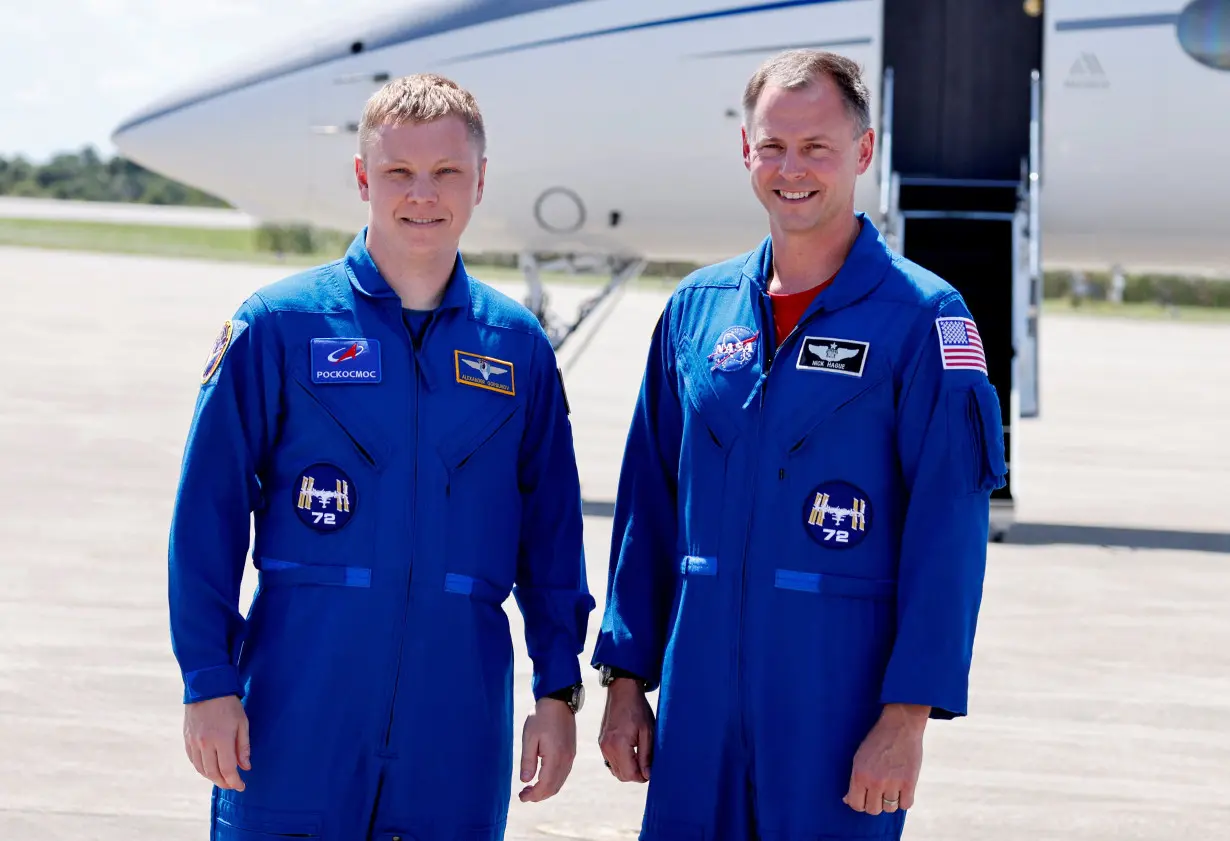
<point>422,182</point>
<point>805,151</point>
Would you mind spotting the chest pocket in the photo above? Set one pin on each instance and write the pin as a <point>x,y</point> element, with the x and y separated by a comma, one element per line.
<point>471,438</point>
<point>847,404</point>
<point>368,446</point>
<point>712,403</point>
<point>320,514</point>
<point>483,498</point>
<point>710,429</point>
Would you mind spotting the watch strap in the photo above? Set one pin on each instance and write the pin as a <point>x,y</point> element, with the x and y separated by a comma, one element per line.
<point>610,673</point>
<point>570,695</point>
<point>564,694</point>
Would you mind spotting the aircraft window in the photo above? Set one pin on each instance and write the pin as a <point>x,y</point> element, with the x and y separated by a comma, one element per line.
<point>1204,32</point>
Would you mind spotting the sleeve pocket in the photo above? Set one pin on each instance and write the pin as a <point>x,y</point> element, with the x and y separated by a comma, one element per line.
<point>989,434</point>
<point>977,439</point>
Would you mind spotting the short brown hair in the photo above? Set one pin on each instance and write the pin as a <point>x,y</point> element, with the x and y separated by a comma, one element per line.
<point>795,69</point>
<point>421,98</point>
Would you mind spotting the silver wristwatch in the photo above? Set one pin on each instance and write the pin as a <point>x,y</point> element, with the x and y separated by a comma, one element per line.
<point>573,696</point>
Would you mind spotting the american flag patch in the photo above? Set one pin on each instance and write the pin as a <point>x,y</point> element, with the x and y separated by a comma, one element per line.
<point>960,344</point>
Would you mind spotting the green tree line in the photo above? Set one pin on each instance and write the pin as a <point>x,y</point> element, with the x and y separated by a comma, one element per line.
<point>85,176</point>
<point>1140,288</point>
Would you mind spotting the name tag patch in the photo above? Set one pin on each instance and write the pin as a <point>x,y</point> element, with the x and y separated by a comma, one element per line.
<point>485,372</point>
<point>840,356</point>
<point>345,361</point>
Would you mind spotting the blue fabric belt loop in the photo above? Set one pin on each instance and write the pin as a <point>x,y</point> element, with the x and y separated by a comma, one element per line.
<point>695,565</point>
<point>834,585</point>
<point>475,588</point>
<point>276,573</point>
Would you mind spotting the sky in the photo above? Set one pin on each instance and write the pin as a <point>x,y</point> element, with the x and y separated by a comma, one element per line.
<point>73,70</point>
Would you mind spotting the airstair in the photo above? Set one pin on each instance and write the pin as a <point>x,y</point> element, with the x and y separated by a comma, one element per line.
<point>959,180</point>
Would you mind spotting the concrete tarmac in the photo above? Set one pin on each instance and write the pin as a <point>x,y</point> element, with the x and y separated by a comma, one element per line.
<point>1101,684</point>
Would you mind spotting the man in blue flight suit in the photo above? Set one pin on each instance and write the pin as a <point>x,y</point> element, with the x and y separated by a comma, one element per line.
<point>401,434</point>
<point>801,525</point>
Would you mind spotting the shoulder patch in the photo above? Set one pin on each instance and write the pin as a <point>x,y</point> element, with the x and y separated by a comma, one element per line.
<point>221,343</point>
<point>960,343</point>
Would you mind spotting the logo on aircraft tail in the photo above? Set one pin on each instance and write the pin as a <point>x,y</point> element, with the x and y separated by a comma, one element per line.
<point>1087,72</point>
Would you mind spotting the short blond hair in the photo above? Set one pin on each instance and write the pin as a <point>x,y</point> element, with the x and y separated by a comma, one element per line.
<point>796,69</point>
<point>421,98</point>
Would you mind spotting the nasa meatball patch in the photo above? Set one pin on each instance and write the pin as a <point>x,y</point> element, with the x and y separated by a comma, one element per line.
<point>735,349</point>
<point>345,361</point>
<point>840,356</point>
<point>325,497</point>
<point>485,372</point>
<point>837,515</point>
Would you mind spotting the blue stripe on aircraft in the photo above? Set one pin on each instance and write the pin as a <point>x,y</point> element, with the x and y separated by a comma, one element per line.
<point>650,24</point>
<point>470,14</point>
<point>1122,22</point>
<point>819,45</point>
<point>419,24</point>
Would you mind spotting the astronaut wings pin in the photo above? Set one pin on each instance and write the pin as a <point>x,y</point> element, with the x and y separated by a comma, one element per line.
<point>485,372</point>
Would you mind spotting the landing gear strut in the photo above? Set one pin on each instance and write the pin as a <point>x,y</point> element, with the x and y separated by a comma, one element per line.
<point>621,269</point>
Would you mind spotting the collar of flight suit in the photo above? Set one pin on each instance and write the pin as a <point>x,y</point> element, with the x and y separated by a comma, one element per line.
<point>368,281</point>
<point>863,270</point>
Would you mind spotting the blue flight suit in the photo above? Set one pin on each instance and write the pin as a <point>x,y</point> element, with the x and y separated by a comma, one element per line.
<point>401,490</point>
<point>800,537</point>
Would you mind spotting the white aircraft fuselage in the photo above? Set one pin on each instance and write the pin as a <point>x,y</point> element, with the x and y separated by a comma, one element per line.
<point>614,125</point>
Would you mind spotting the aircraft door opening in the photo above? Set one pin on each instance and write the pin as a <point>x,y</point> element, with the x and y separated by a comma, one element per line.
<point>961,158</point>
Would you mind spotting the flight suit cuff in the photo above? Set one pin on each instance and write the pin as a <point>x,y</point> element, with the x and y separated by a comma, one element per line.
<point>555,621</point>
<point>944,705</point>
<point>559,673</point>
<point>214,682</point>
<point>608,652</point>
